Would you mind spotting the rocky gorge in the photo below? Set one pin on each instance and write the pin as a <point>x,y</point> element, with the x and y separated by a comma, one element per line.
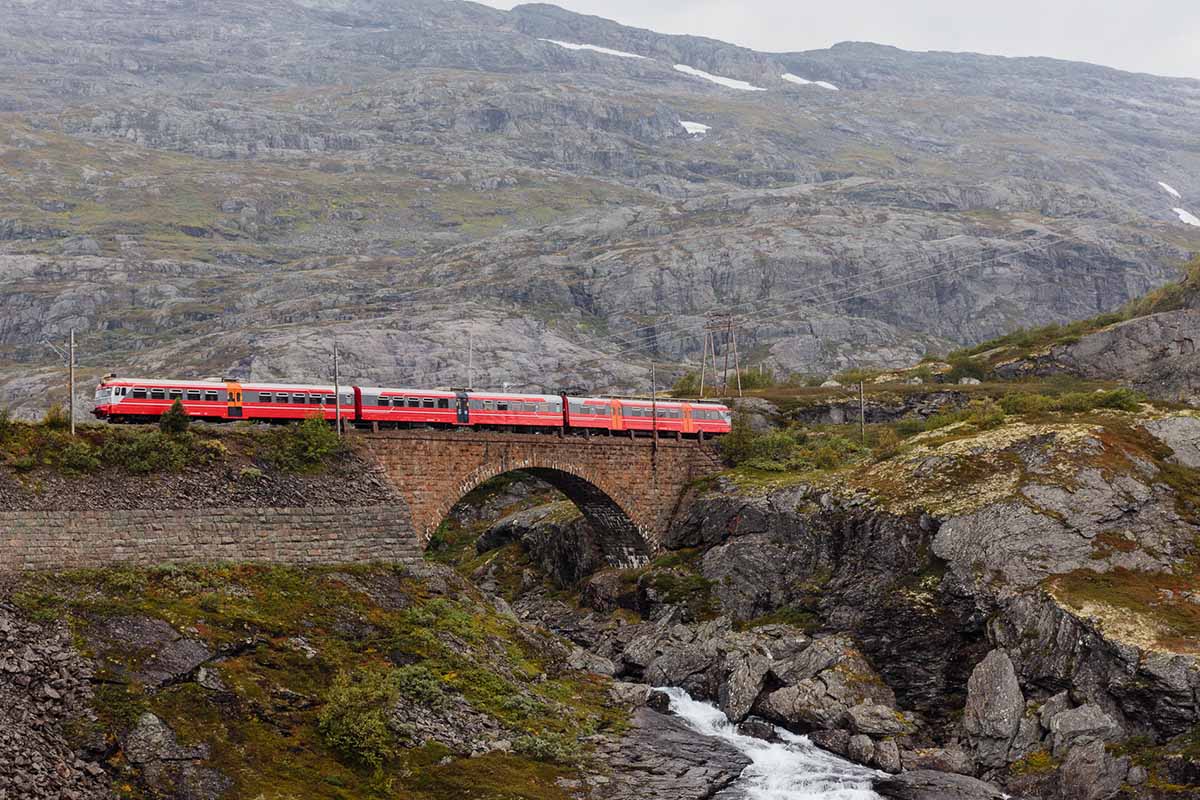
<point>1022,615</point>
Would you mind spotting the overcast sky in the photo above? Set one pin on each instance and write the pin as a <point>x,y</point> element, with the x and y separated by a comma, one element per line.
<point>1157,36</point>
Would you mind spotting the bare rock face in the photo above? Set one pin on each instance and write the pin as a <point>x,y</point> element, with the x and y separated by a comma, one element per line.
<point>929,785</point>
<point>994,709</point>
<point>1091,773</point>
<point>663,759</point>
<point>1079,726</point>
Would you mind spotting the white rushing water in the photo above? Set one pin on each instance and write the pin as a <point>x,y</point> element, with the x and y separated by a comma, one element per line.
<point>792,769</point>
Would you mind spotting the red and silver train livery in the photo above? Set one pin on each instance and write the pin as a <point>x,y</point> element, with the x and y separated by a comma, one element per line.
<point>133,400</point>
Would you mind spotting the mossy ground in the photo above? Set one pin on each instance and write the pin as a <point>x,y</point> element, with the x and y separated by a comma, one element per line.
<point>264,732</point>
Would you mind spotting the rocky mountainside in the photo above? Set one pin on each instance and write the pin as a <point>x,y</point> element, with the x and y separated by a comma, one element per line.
<point>225,188</point>
<point>1006,597</point>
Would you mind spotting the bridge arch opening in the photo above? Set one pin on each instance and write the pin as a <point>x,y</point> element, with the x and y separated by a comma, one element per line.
<point>622,541</point>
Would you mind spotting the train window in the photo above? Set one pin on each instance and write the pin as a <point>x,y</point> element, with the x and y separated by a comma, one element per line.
<point>315,399</point>
<point>193,394</point>
<point>476,405</point>
<point>211,397</point>
<point>264,397</point>
<point>427,402</point>
<point>330,400</point>
<point>384,402</point>
<point>139,393</point>
<point>158,394</point>
<point>502,406</point>
<point>175,394</point>
<point>414,402</point>
<point>443,402</point>
<point>282,397</point>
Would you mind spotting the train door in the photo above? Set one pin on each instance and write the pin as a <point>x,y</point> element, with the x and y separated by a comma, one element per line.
<point>234,402</point>
<point>463,406</point>
<point>688,427</point>
<point>618,420</point>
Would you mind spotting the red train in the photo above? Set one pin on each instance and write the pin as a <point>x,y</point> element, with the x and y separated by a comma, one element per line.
<point>145,399</point>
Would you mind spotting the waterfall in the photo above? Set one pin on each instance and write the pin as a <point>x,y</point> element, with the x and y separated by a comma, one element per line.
<point>791,769</point>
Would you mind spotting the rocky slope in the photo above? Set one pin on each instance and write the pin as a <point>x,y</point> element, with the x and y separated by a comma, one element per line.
<point>1010,598</point>
<point>225,189</point>
<point>242,682</point>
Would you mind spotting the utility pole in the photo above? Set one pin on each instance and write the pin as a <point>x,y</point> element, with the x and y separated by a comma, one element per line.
<point>337,392</point>
<point>470,359</point>
<point>704,361</point>
<point>862,411</point>
<point>71,381</point>
<point>720,323</point>
<point>654,404</point>
<point>737,370</point>
<point>68,357</point>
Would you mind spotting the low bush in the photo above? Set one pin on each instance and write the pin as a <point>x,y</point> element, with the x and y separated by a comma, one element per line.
<point>1071,402</point>
<point>56,418</point>
<point>143,453</point>
<point>789,449</point>
<point>175,420</point>
<point>8,426</point>
<point>306,445</point>
<point>548,747</point>
<point>78,456</point>
<point>354,719</point>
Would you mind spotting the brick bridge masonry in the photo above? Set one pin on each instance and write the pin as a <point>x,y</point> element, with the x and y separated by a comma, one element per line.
<point>628,489</point>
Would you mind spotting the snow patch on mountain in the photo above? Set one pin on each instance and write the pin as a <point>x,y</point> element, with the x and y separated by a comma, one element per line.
<point>729,83</point>
<point>1169,189</point>
<point>796,79</point>
<point>1186,217</point>
<point>594,48</point>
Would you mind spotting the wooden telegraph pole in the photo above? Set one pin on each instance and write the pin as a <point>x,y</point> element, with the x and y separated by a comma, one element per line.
<point>337,391</point>
<point>68,357</point>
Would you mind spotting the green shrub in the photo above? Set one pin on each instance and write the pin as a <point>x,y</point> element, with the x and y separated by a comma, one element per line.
<point>56,418</point>
<point>965,367</point>
<point>175,420</point>
<point>910,426</point>
<point>985,413</point>
<point>144,452</point>
<point>687,385</point>
<point>1119,399</point>
<point>754,379</point>
<point>736,444</point>
<point>306,445</point>
<point>548,747</point>
<point>354,719</point>
<point>416,683</point>
<point>1026,403</point>
<point>77,455</point>
<point>8,426</point>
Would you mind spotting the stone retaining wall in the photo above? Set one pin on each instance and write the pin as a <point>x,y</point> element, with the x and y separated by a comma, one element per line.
<point>70,539</point>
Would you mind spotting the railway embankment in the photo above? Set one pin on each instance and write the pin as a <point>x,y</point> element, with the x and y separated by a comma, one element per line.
<point>143,496</point>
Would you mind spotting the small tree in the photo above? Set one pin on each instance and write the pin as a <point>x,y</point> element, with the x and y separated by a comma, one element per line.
<point>176,420</point>
<point>687,385</point>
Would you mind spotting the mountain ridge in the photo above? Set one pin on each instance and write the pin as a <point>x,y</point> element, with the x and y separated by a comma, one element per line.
<point>440,163</point>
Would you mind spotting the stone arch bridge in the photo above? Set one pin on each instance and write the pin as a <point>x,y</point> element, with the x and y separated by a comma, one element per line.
<point>628,489</point>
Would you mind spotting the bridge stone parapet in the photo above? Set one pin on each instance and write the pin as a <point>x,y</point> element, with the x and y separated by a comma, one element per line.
<point>628,489</point>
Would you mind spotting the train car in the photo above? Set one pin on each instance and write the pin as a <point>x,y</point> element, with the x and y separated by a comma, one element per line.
<point>403,408</point>
<point>530,413</point>
<point>145,399</point>
<point>644,417</point>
